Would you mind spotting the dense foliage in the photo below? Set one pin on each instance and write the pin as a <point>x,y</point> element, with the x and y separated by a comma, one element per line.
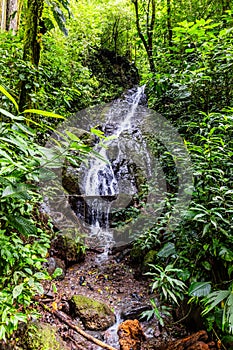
<point>183,52</point>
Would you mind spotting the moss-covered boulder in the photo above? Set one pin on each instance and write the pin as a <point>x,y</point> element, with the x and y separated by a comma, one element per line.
<point>95,315</point>
<point>68,249</point>
<point>43,337</point>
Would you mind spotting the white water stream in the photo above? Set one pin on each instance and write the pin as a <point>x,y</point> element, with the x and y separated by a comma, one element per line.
<point>106,177</point>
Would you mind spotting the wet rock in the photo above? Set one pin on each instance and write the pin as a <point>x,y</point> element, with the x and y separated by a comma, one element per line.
<point>134,312</point>
<point>121,248</point>
<point>67,249</point>
<point>70,179</point>
<point>95,315</point>
<point>42,336</point>
<point>53,263</point>
<point>130,335</point>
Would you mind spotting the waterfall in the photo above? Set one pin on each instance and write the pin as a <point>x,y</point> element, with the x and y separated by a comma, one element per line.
<point>101,176</point>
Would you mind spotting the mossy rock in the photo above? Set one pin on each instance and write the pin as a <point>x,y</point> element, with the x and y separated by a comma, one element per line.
<point>43,336</point>
<point>137,255</point>
<point>67,249</point>
<point>95,315</point>
<point>149,258</point>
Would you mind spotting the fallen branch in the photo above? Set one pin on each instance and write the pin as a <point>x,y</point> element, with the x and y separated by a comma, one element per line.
<point>64,318</point>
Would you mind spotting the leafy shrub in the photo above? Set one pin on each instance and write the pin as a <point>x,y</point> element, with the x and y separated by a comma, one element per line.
<point>23,239</point>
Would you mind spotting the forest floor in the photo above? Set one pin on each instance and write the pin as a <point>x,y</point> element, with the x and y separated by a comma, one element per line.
<point>112,280</point>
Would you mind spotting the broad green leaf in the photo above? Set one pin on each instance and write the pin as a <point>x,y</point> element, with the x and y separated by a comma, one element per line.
<point>11,98</point>
<point>72,136</point>
<point>24,226</point>
<point>17,290</point>
<point>39,275</point>
<point>97,132</point>
<point>168,250</point>
<point>17,142</point>
<point>213,299</point>
<point>3,332</point>
<point>6,155</point>
<point>39,288</point>
<point>199,289</point>
<point>58,272</point>
<point>44,113</point>
<point>12,191</point>
<point>10,115</point>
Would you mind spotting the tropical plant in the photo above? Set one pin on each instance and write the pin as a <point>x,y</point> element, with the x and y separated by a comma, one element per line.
<point>225,299</point>
<point>24,239</point>
<point>166,283</point>
<point>158,312</point>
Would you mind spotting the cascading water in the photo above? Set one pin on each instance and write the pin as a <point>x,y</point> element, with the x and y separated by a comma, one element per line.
<point>109,179</point>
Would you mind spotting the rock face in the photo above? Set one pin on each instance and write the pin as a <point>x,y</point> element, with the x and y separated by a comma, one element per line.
<point>95,315</point>
<point>130,335</point>
<point>43,337</point>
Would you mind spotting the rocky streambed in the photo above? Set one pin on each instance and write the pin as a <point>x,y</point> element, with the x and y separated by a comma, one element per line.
<point>104,297</point>
<point>102,292</point>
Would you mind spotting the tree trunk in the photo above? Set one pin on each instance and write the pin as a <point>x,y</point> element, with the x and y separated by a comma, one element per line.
<point>10,14</point>
<point>32,45</point>
<point>3,9</point>
<point>169,26</point>
<point>32,40</point>
<point>147,39</point>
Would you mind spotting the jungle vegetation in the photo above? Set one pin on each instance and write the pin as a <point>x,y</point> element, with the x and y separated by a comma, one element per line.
<point>53,63</point>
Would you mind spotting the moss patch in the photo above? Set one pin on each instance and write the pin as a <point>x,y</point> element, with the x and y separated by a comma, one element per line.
<point>43,337</point>
<point>94,314</point>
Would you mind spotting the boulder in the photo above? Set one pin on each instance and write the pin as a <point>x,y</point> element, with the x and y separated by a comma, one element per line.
<point>130,335</point>
<point>67,249</point>
<point>70,179</point>
<point>134,312</point>
<point>43,336</point>
<point>95,315</point>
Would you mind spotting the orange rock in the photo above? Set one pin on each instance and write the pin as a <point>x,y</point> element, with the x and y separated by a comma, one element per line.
<point>130,335</point>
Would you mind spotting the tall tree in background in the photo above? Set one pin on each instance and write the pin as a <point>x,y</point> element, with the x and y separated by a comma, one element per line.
<point>169,25</point>
<point>31,51</point>
<point>147,11</point>
<point>32,44</point>
<point>10,14</point>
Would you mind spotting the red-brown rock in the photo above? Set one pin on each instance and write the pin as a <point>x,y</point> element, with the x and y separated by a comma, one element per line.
<point>130,335</point>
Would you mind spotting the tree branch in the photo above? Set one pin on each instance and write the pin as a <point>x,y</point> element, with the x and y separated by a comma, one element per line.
<point>64,318</point>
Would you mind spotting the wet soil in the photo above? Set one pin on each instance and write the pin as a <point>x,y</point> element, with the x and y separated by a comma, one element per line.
<point>115,281</point>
